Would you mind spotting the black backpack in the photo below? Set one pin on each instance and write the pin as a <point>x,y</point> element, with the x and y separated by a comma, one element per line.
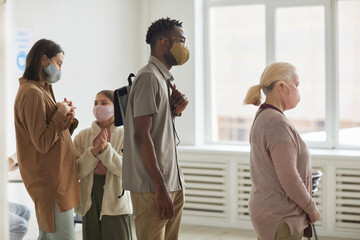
<point>120,102</point>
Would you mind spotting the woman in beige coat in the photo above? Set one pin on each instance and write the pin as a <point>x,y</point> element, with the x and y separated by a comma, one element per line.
<point>105,207</point>
<point>45,155</point>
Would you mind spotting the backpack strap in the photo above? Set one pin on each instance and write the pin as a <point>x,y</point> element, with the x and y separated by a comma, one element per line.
<point>131,75</point>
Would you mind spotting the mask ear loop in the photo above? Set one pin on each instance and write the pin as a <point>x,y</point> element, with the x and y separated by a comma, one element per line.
<point>49,60</point>
<point>287,86</point>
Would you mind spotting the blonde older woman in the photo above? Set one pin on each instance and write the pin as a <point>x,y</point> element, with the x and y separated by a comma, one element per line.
<point>280,204</point>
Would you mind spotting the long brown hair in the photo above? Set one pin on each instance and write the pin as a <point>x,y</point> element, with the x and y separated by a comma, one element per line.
<point>33,70</point>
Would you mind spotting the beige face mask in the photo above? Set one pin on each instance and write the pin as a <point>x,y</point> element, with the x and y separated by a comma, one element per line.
<point>180,53</point>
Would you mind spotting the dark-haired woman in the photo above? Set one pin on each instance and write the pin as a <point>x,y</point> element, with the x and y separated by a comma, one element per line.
<point>105,207</point>
<point>45,154</point>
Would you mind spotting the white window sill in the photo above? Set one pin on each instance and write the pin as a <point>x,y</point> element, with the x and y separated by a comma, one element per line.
<point>245,150</point>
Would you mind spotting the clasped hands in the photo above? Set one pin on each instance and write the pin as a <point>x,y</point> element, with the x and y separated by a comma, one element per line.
<point>100,143</point>
<point>66,107</point>
<point>313,216</point>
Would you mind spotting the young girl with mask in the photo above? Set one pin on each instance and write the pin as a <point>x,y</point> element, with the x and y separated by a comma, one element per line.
<point>44,148</point>
<point>280,204</point>
<point>105,207</point>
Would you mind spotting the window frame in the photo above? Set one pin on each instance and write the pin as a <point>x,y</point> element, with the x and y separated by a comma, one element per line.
<point>332,118</point>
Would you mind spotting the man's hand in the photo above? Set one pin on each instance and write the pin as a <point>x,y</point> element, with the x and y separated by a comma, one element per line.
<point>163,201</point>
<point>164,204</point>
<point>178,101</point>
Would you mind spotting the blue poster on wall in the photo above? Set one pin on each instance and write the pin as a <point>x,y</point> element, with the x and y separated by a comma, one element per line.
<point>21,60</point>
<point>22,39</point>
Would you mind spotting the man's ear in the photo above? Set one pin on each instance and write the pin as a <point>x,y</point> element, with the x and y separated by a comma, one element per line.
<point>163,41</point>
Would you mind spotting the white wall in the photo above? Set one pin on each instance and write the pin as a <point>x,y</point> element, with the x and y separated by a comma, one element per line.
<point>98,38</point>
<point>188,77</point>
<point>100,43</point>
<point>3,168</point>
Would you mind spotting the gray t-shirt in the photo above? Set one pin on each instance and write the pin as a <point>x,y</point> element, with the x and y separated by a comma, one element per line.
<point>149,96</point>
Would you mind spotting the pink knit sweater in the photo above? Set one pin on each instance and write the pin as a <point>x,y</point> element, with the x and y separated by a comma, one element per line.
<point>280,169</point>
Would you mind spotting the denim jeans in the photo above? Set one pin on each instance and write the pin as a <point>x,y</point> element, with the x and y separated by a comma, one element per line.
<point>18,218</point>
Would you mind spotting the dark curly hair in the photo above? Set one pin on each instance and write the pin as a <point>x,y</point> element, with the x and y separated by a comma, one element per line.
<point>160,27</point>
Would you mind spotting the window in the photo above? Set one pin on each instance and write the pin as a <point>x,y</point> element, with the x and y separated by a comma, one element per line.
<point>300,40</point>
<point>320,37</point>
<point>349,72</point>
<point>237,46</point>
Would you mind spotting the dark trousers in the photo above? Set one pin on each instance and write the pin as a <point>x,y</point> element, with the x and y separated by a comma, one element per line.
<point>109,227</point>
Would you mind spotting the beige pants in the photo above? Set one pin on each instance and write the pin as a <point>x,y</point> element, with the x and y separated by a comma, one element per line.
<point>148,226</point>
<point>283,233</point>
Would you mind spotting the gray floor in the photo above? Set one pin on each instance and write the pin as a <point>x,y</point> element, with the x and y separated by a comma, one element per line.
<point>194,232</point>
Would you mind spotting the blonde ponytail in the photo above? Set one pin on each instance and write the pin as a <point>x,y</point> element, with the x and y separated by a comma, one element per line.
<point>253,96</point>
<point>277,71</point>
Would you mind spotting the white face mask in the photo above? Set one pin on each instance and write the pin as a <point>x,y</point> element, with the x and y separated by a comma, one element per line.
<point>54,75</point>
<point>103,113</point>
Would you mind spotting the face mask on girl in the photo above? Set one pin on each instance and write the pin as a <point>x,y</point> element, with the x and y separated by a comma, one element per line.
<point>292,98</point>
<point>103,113</point>
<point>54,74</point>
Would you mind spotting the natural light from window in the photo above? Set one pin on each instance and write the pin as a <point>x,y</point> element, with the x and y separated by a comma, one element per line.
<point>300,40</point>
<point>237,47</point>
<point>349,72</point>
<point>244,38</point>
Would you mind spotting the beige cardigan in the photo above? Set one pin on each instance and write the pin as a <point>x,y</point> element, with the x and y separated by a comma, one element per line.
<point>113,203</point>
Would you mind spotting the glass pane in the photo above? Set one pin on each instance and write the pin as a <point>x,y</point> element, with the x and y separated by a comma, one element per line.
<point>349,72</point>
<point>300,40</point>
<point>237,58</point>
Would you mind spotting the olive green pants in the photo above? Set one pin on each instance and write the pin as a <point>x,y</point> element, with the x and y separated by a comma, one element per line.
<point>109,227</point>
<point>283,233</point>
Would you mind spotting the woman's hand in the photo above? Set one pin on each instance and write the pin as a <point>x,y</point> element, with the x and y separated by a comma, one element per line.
<point>101,145</point>
<point>314,216</point>
<point>65,108</point>
<point>70,114</point>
